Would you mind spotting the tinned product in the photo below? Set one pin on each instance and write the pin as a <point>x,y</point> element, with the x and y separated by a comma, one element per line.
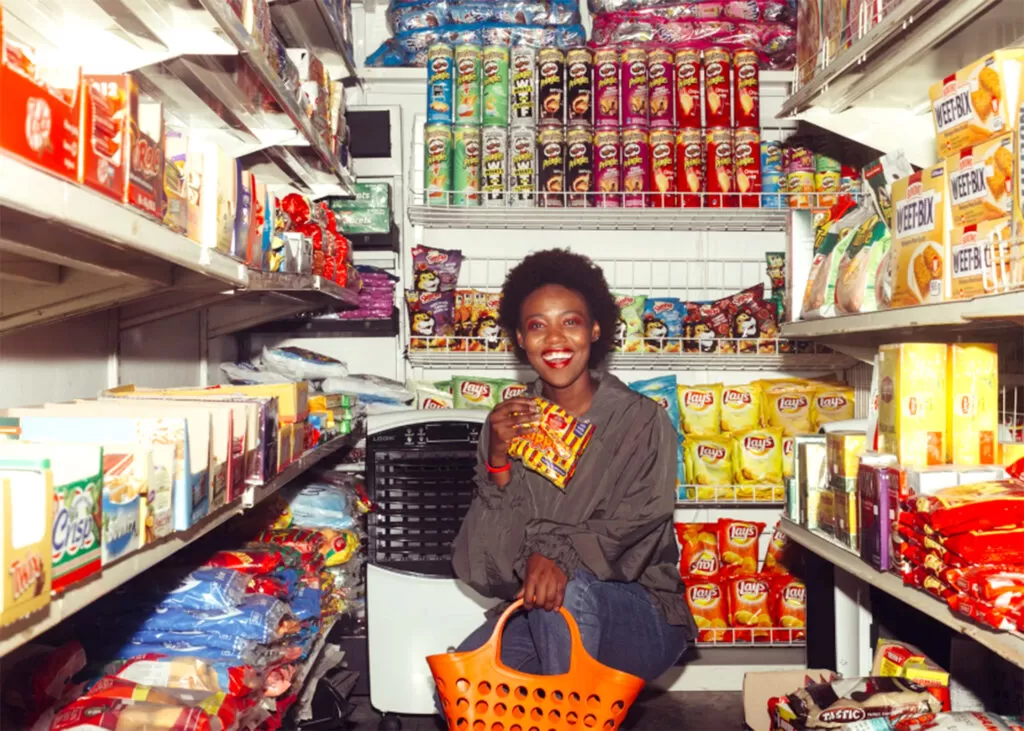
<point>579,83</point>
<point>522,147</point>
<point>551,85</point>
<point>606,87</point>
<point>747,89</point>
<point>771,188</point>
<point>690,167</point>
<point>437,168</point>
<point>800,177</point>
<point>636,166</point>
<point>440,84</point>
<point>661,72</point>
<point>608,168</point>
<point>494,141</point>
<point>746,151</point>
<point>718,87</point>
<point>551,162</point>
<point>523,85</point>
<point>468,107</point>
<point>466,166</point>
<point>579,165</point>
<point>827,178</point>
<point>849,181</point>
<point>771,157</point>
<point>635,87</point>
<point>495,85</point>
<point>719,168</point>
<point>663,169</point>
<point>689,110</point>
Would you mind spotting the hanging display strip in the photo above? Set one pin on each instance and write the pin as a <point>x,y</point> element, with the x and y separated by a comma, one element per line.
<point>762,637</point>
<point>753,496</point>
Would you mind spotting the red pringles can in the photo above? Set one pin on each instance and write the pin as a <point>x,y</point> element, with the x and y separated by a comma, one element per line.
<point>662,88</point>
<point>607,168</point>
<point>635,88</point>
<point>690,177</point>
<point>689,109</point>
<point>719,168</point>
<point>747,89</point>
<point>636,167</point>
<point>718,87</point>
<point>662,143</point>
<point>746,153</point>
<point>606,87</point>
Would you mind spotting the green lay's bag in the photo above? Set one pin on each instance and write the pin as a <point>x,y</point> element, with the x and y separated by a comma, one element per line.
<point>469,392</point>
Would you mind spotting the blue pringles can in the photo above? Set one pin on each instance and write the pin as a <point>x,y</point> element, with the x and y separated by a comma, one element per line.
<point>440,83</point>
<point>772,174</point>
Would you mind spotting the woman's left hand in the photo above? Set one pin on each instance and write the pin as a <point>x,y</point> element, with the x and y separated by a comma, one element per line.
<point>544,587</point>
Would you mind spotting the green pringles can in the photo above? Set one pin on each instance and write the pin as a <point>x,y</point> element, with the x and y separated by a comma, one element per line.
<point>468,90</point>
<point>437,165</point>
<point>466,166</point>
<point>495,73</point>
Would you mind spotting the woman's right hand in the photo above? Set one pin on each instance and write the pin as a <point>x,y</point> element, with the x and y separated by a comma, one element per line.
<point>506,421</point>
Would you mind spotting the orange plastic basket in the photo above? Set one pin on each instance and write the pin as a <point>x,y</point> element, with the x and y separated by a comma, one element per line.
<point>479,693</point>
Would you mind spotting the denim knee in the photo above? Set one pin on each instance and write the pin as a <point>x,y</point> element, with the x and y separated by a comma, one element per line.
<point>579,599</point>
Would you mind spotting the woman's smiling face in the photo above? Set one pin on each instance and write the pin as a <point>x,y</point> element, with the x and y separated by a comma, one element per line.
<point>556,331</point>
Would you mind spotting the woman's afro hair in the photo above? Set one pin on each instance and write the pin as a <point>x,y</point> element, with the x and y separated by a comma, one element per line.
<point>572,271</point>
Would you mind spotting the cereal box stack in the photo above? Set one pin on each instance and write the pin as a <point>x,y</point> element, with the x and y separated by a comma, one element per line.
<point>733,595</point>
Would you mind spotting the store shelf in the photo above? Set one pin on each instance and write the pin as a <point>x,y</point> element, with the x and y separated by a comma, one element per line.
<point>730,496</point>
<point>328,325</point>
<point>310,24</point>
<point>111,577</point>
<point>310,458</point>
<point>1009,645</point>
<point>306,285</point>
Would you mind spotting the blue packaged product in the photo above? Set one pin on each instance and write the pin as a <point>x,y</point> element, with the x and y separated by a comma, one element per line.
<point>257,618</point>
<point>771,157</point>
<point>663,325</point>
<point>663,391</point>
<point>212,640</point>
<point>771,187</point>
<point>322,505</point>
<point>188,649</point>
<point>440,84</point>
<point>202,589</point>
<point>306,604</point>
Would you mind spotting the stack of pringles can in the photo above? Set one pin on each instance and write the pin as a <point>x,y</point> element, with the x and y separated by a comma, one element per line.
<point>633,127</point>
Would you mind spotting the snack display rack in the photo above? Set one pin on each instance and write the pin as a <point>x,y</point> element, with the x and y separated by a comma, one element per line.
<point>730,496</point>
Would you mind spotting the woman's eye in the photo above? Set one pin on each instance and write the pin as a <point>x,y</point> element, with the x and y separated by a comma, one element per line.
<point>572,322</point>
<point>534,325</point>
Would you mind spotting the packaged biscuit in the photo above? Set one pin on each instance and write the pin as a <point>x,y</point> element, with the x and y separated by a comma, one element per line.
<point>629,327</point>
<point>973,403</point>
<point>663,325</point>
<point>912,411</point>
<point>757,457</point>
<point>710,609</point>
<point>741,407</point>
<point>661,390</point>
<point>709,460</point>
<point>749,598</point>
<point>738,543</point>
<point>978,102</point>
<point>830,404</point>
<point>920,238</point>
<point>698,549</point>
<point>980,258</point>
<point>555,444</point>
<point>982,181</point>
<point>700,409</point>
<point>788,405</point>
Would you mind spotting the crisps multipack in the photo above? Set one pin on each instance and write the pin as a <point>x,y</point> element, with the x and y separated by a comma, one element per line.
<point>980,258</point>
<point>920,238</point>
<point>977,102</point>
<point>554,445</point>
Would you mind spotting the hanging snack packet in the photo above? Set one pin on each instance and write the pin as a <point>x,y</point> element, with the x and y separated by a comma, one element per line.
<point>432,398</point>
<point>776,269</point>
<point>663,325</point>
<point>789,608</point>
<point>435,270</point>
<point>741,408</point>
<point>663,391</point>
<point>757,455</point>
<point>788,457</point>
<point>431,319</point>
<point>776,554</point>
<point>738,545</point>
<point>709,463</point>
<point>484,332</point>
<point>629,327</point>
<point>788,406</point>
<point>698,549</point>
<point>830,404</point>
<point>749,600</point>
<point>700,409</point>
<point>554,446</point>
<point>475,393</point>
<point>709,607</point>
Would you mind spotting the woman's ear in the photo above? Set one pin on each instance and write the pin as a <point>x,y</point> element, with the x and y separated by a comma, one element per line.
<point>595,332</point>
<point>519,339</point>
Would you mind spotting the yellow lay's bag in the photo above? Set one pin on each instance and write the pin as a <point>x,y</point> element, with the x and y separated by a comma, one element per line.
<point>741,407</point>
<point>710,459</point>
<point>788,455</point>
<point>788,406</point>
<point>700,409</point>
<point>831,403</point>
<point>757,457</point>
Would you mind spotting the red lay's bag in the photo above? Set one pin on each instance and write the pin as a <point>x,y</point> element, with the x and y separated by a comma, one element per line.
<point>738,545</point>
<point>773,560</point>
<point>789,608</point>
<point>750,606</point>
<point>710,609</point>
<point>698,549</point>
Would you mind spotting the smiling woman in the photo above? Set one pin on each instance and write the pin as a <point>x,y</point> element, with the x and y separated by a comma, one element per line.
<point>603,547</point>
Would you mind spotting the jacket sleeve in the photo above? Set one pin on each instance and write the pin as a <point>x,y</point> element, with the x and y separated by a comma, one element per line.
<point>487,545</point>
<point>622,537</point>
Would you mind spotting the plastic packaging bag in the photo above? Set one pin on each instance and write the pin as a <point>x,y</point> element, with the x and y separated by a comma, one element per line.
<point>257,617</point>
<point>300,364</point>
<point>188,672</point>
<point>775,11</point>
<point>202,589</point>
<point>410,49</point>
<point>408,16</point>
<point>247,374</point>
<point>370,388</point>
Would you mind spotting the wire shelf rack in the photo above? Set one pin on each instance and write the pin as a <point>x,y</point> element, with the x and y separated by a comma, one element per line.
<point>752,637</point>
<point>732,496</point>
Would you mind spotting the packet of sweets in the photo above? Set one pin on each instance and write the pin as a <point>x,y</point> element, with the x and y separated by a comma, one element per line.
<point>554,445</point>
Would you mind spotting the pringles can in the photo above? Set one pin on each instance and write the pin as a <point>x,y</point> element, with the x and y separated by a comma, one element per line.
<point>661,83</point>
<point>551,164</point>
<point>523,91</point>
<point>747,89</point>
<point>440,84</point>
<point>522,146</point>
<point>635,88</point>
<point>437,165</point>
<point>579,82</point>
<point>606,87</point>
<point>663,168</point>
<point>579,165</point>
<point>608,168</point>
<point>495,85</point>
<point>636,167</point>
<point>466,166</point>
<point>746,152</point>
<point>551,85</point>
<point>494,142</point>
<point>718,87</point>
<point>689,107</point>
<point>468,105</point>
<point>690,175</point>
<point>719,166</point>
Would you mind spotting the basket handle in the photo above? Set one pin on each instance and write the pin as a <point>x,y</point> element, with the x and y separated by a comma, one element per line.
<point>576,650</point>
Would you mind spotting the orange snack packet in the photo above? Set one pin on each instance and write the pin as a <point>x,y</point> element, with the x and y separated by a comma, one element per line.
<point>710,609</point>
<point>773,560</point>
<point>738,545</point>
<point>698,549</point>
<point>749,606</point>
<point>789,608</point>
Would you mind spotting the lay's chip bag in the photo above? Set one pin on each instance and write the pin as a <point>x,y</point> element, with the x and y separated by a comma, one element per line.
<point>788,457</point>
<point>788,406</point>
<point>709,459</point>
<point>741,407</point>
<point>738,544</point>
<point>757,456</point>
<point>700,409</point>
<point>663,391</point>
<point>469,392</point>
<point>831,403</point>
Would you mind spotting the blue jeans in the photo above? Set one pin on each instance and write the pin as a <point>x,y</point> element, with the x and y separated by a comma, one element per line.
<point>619,624</point>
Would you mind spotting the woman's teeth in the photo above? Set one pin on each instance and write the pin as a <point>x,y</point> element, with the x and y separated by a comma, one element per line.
<point>557,358</point>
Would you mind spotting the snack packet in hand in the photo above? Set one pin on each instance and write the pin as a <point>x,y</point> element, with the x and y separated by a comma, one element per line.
<point>554,445</point>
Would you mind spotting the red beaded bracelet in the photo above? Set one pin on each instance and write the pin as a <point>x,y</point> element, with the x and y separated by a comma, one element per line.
<point>498,470</point>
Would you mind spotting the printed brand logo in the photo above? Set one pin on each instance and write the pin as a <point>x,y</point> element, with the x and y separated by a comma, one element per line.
<point>436,147</point>
<point>751,587</point>
<point>743,150</point>
<point>792,403</point>
<point>608,151</point>
<point>843,715</point>
<point>912,406</point>
<point>466,66</point>
<point>522,62</point>
<point>607,70</point>
<point>955,108</point>
<point>439,66</point>
<point>747,71</point>
<point>887,389</point>
<point>556,422</point>
<point>705,594</point>
<point>577,149</point>
<point>656,71</point>
<point>663,307</point>
<point>512,391</point>
<point>553,149</point>
<point>710,453</point>
<point>523,146</point>
<point>145,157</point>
<point>723,150</point>
<point>742,533</point>
<point>686,70</point>
<point>661,151</point>
<point>698,399</point>
<point>832,403</point>
<point>475,390</point>
<point>578,70</point>
<point>38,123</point>
<point>916,216</point>
<point>631,150</point>
<point>427,297</point>
<point>436,257</point>
<point>491,68</point>
<point>713,69</point>
<point>795,594</point>
<point>966,405</point>
<point>637,69</point>
<point>759,445</point>
<point>432,403</point>
<point>73,523</point>
<point>492,146</point>
<point>25,574</point>
<point>787,446</point>
<point>692,151</point>
<point>734,397</point>
<point>472,148</point>
<point>549,69</point>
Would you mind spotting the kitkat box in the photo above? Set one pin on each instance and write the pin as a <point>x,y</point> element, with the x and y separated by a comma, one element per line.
<point>41,109</point>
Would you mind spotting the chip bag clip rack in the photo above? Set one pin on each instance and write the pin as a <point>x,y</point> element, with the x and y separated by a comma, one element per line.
<point>553,447</point>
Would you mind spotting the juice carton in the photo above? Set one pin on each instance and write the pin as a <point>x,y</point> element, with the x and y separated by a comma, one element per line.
<point>973,403</point>
<point>912,414</point>
<point>26,514</point>
<point>980,258</point>
<point>983,180</point>
<point>977,102</point>
<point>920,238</point>
<point>77,471</point>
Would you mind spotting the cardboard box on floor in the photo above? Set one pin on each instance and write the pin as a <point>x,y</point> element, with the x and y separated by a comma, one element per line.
<point>758,688</point>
